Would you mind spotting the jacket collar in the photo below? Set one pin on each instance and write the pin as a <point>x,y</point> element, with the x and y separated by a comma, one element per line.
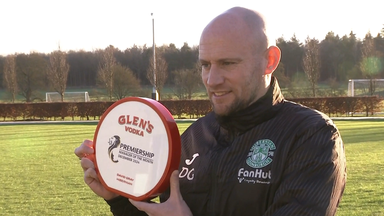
<point>262,110</point>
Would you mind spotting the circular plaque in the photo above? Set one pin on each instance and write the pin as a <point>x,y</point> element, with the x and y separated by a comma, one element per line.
<point>137,147</point>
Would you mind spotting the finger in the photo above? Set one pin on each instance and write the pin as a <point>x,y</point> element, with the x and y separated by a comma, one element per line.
<point>90,176</point>
<point>174,185</point>
<point>84,149</point>
<point>87,163</point>
<point>88,143</point>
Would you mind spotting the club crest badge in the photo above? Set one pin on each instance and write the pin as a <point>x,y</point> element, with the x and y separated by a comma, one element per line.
<point>260,153</point>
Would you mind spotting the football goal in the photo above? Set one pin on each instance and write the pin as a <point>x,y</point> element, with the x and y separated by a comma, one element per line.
<point>68,97</point>
<point>357,87</point>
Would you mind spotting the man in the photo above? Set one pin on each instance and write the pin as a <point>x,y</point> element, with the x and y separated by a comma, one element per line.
<point>256,153</point>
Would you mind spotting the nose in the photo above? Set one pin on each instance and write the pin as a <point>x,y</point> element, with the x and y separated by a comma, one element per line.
<point>215,76</point>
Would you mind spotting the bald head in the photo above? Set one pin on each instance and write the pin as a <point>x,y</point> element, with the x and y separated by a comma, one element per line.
<point>237,64</point>
<point>241,23</point>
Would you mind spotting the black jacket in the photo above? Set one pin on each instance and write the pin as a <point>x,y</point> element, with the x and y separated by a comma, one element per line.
<point>272,158</point>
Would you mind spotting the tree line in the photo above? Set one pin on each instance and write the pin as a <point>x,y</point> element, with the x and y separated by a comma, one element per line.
<point>333,60</point>
<point>120,73</point>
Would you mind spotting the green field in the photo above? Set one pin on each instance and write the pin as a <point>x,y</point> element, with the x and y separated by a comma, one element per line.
<point>40,175</point>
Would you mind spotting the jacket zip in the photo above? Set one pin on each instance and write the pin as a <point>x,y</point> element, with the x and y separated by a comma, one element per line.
<point>216,159</point>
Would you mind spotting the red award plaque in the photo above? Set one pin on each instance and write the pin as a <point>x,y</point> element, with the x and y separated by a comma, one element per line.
<point>137,147</point>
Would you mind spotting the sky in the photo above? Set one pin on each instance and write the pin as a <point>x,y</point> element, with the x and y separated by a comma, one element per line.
<point>44,25</point>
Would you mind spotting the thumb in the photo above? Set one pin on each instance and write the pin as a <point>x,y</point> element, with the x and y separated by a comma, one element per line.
<point>175,186</point>
<point>142,206</point>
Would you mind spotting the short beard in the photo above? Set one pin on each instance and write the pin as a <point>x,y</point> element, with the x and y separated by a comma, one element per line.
<point>239,104</point>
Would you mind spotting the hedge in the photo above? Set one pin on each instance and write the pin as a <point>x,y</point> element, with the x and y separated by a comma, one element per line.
<point>333,106</point>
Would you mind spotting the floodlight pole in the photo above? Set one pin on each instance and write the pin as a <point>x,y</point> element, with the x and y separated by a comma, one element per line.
<point>155,94</point>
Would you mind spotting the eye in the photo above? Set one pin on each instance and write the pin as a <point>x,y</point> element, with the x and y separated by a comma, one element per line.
<point>205,65</point>
<point>228,63</point>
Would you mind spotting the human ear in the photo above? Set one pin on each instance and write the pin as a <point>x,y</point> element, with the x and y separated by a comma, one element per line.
<point>273,57</point>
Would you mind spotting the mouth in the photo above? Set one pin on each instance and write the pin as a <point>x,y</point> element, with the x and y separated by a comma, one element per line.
<point>220,94</point>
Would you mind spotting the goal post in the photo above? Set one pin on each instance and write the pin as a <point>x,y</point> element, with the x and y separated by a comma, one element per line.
<point>68,97</point>
<point>362,86</point>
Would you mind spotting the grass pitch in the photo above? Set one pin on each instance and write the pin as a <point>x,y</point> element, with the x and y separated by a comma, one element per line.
<point>40,175</point>
<point>364,146</point>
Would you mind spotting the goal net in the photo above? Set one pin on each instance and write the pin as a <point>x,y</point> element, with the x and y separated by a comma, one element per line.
<point>361,87</point>
<point>68,97</point>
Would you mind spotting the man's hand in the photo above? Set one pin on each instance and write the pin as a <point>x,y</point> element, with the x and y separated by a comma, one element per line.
<point>85,152</point>
<point>175,205</point>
